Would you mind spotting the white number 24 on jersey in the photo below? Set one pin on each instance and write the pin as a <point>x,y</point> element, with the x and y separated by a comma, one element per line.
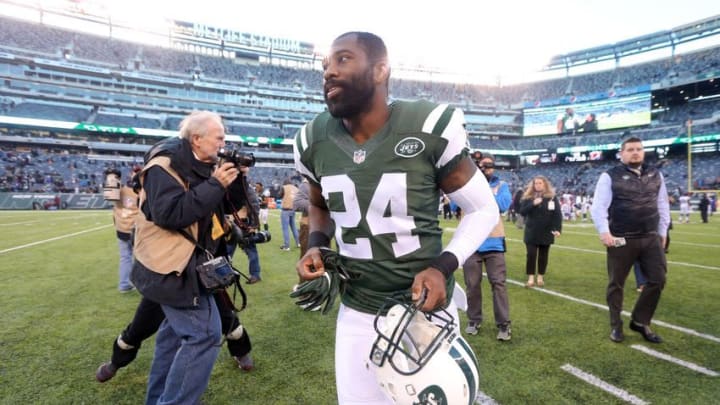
<point>390,196</point>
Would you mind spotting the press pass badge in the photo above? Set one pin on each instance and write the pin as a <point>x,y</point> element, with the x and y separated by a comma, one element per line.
<point>551,205</point>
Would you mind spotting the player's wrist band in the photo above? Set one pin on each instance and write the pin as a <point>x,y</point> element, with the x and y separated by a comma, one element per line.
<point>318,239</point>
<point>447,263</point>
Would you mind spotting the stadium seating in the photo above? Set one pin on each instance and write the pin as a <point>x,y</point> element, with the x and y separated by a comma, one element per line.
<point>274,101</point>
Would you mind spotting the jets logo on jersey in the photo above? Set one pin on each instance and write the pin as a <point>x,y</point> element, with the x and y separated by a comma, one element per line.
<point>359,156</point>
<point>409,147</point>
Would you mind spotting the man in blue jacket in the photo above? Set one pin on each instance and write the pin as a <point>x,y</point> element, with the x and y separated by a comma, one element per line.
<point>492,254</point>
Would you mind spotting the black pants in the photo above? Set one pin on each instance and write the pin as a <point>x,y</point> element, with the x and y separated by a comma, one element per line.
<point>446,211</point>
<point>537,255</point>
<point>649,252</point>
<point>703,215</point>
<point>149,316</point>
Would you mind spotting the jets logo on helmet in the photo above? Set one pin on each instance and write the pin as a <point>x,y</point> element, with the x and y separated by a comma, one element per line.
<point>420,358</point>
<point>432,395</point>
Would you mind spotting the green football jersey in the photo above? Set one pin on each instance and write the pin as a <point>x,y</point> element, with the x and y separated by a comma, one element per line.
<point>383,195</point>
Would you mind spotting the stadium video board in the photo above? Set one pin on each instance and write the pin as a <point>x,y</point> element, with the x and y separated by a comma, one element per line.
<point>607,113</point>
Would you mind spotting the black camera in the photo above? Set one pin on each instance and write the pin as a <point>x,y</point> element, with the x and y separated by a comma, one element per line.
<point>244,238</point>
<point>236,157</point>
<point>258,237</point>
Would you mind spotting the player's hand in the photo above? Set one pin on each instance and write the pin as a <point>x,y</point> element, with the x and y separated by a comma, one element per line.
<point>607,239</point>
<point>311,265</point>
<point>226,173</point>
<point>433,281</point>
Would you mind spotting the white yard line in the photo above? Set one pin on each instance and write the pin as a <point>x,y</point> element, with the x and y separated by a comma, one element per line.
<point>40,242</point>
<point>46,219</point>
<point>667,357</point>
<point>674,242</point>
<point>607,387</point>
<point>602,252</point>
<point>627,314</point>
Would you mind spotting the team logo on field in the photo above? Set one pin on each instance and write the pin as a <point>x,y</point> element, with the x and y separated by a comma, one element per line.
<point>359,156</point>
<point>409,147</point>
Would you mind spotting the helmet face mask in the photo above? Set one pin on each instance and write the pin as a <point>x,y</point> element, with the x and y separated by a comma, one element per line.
<point>421,358</point>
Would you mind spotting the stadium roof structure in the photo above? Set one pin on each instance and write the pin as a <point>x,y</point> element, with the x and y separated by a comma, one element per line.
<point>645,43</point>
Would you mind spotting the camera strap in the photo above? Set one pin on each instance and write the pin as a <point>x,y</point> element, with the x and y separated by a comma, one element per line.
<point>251,212</point>
<point>238,286</point>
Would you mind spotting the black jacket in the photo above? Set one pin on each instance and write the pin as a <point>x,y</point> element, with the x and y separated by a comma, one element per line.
<point>170,206</point>
<point>540,220</point>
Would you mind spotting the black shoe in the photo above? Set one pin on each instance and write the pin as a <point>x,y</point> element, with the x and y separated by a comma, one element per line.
<point>253,280</point>
<point>245,362</point>
<point>646,332</point>
<point>105,372</point>
<point>616,335</point>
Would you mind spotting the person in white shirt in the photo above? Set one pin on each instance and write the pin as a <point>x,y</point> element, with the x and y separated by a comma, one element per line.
<point>684,208</point>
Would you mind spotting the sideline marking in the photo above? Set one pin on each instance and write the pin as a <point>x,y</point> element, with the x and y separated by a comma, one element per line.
<point>54,239</point>
<point>607,387</point>
<point>667,357</point>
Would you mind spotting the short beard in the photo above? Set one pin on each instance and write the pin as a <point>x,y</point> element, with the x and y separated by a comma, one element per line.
<point>358,97</point>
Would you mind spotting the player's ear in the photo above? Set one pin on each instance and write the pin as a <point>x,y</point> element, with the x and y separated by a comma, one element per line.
<point>382,72</point>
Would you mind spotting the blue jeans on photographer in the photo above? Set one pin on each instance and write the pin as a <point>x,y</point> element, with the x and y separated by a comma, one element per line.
<point>287,220</point>
<point>126,262</point>
<point>253,260</point>
<point>186,347</point>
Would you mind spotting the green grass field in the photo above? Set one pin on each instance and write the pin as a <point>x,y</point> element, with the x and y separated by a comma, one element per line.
<point>60,311</point>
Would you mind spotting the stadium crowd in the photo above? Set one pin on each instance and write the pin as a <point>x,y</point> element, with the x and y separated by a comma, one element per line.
<point>65,168</point>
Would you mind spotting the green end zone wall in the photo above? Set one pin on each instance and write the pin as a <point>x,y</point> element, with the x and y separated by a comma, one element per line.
<point>49,201</point>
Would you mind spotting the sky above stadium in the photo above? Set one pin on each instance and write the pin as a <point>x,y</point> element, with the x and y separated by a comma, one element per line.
<point>489,38</point>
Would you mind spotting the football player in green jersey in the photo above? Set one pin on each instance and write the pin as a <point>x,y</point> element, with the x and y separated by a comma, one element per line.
<point>376,171</point>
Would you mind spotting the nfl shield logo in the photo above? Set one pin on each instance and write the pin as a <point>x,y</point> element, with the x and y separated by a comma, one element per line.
<point>359,156</point>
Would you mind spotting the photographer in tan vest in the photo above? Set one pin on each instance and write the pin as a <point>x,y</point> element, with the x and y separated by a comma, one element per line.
<point>287,216</point>
<point>125,211</point>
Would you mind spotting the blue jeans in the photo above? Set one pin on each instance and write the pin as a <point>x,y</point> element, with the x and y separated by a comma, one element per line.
<point>253,259</point>
<point>186,347</point>
<point>640,278</point>
<point>126,256</point>
<point>287,220</point>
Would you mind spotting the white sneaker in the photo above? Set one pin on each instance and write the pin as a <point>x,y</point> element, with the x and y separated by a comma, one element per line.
<point>504,333</point>
<point>472,328</point>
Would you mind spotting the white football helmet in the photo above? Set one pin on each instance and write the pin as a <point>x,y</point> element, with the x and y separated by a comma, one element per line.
<point>421,358</point>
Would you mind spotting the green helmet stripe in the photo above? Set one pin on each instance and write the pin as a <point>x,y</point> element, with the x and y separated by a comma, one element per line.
<point>466,369</point>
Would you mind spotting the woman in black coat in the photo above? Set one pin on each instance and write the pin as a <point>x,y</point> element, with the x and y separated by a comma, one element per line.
<point>543,222</point>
